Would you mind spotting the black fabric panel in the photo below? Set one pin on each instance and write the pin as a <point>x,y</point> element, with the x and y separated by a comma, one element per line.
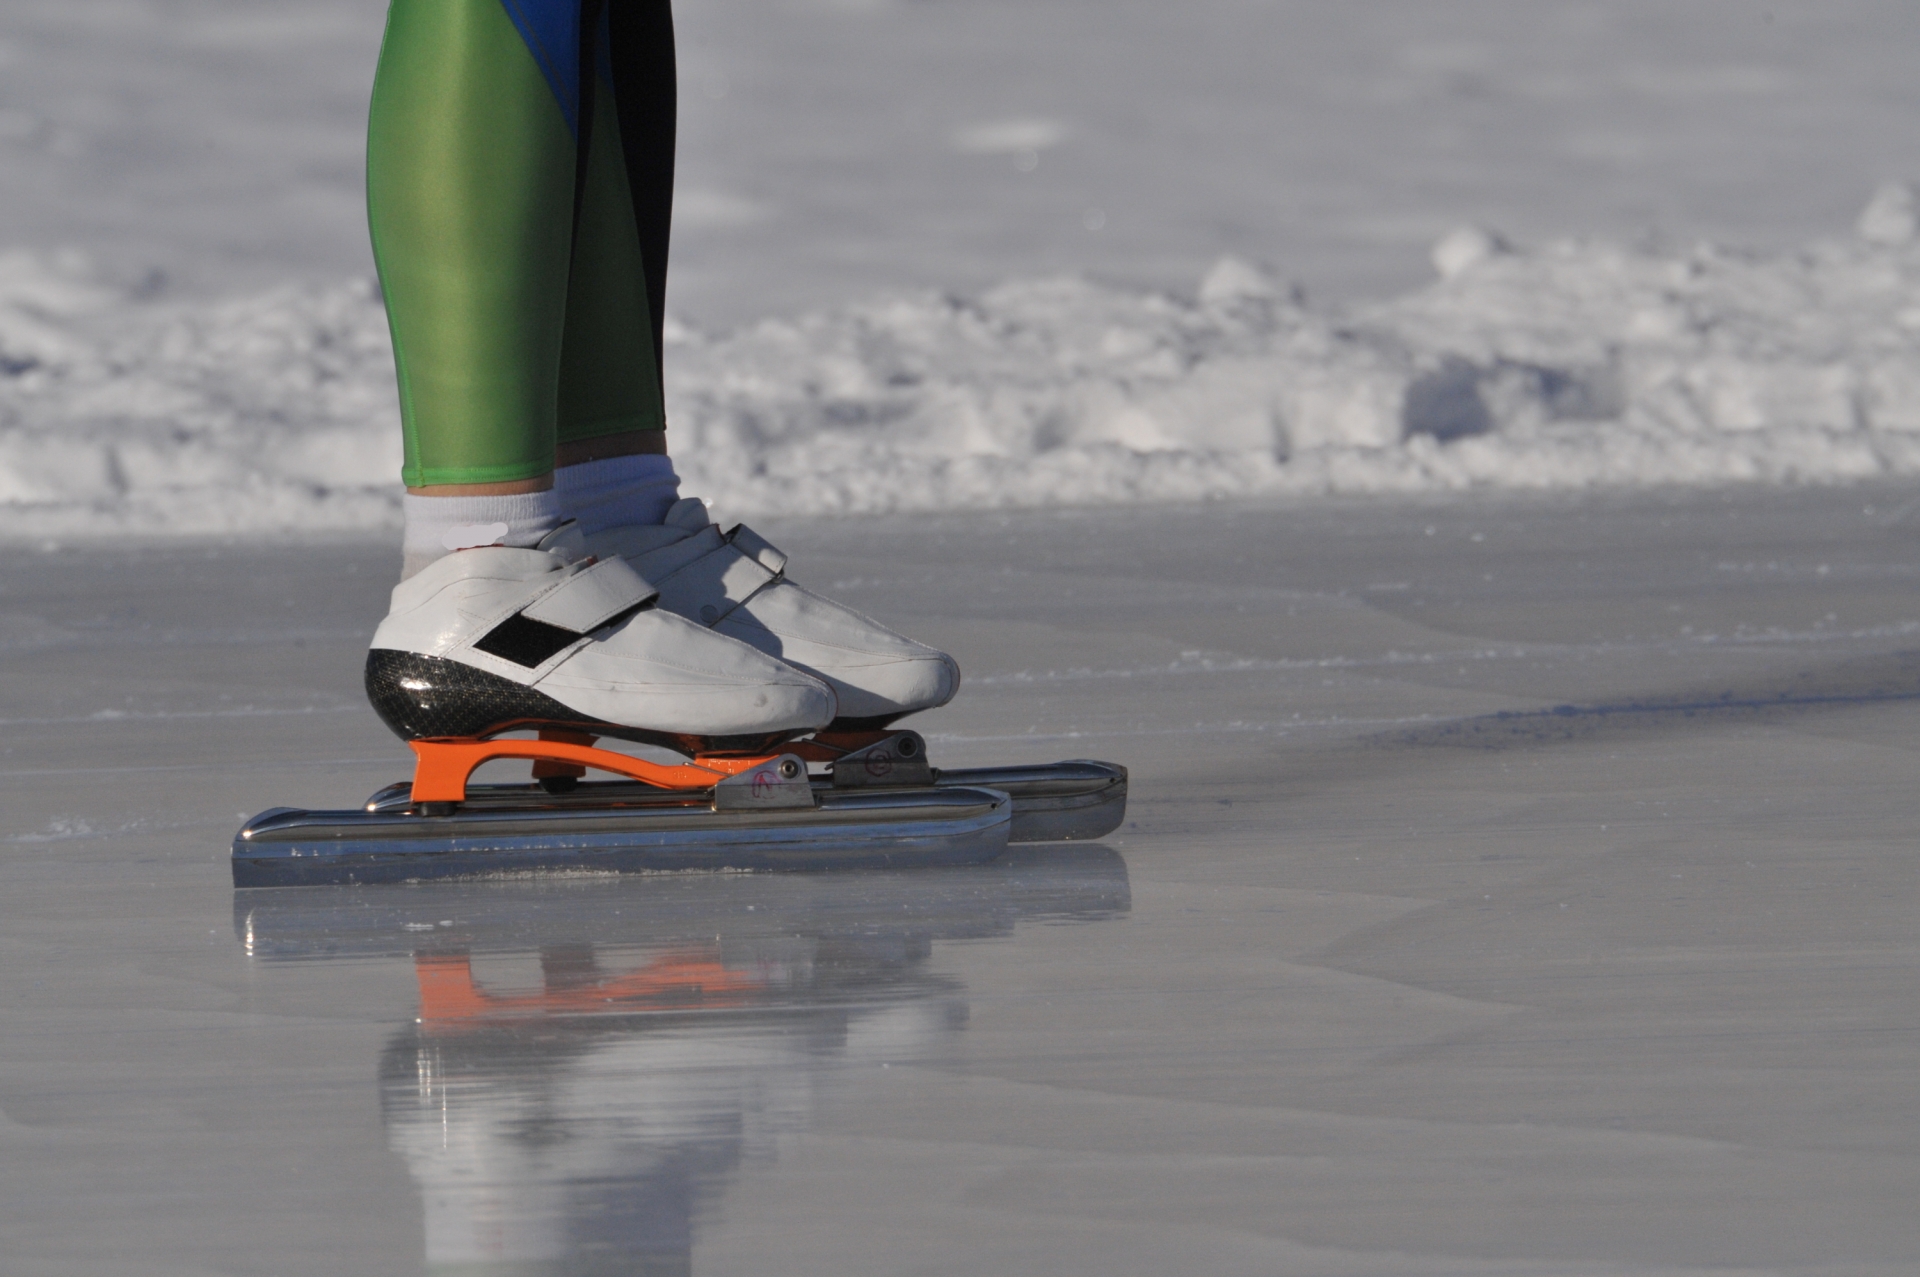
<point>646,95</point>
<point>590,15</point>
<point>525,641</point>
<point>528,642</point>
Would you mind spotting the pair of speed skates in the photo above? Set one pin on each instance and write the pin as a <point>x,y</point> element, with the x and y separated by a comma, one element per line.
<point>776,706</point>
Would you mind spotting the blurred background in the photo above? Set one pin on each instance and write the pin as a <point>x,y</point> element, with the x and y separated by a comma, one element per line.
<point>832,148</point>
<point>184,306</point>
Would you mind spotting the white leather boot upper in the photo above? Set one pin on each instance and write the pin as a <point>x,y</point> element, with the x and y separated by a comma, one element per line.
<point>735,584</point>
<point>547,620</point>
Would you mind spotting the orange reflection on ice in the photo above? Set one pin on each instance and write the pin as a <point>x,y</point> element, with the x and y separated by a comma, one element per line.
<point>686,980</point>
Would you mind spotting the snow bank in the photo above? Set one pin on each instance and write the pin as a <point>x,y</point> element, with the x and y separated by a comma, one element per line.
<point>123,415</point>
<point>1569,366</point>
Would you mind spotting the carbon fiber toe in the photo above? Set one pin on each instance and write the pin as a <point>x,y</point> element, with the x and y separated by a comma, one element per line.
<point>429,697</point>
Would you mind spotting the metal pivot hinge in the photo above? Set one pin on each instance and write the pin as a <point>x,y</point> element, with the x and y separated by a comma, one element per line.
<point>897,760</point>
<point>779,782</point>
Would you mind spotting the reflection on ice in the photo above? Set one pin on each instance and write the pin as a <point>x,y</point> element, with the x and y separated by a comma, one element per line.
<point>589,1141</point>
<point>576,1117</point>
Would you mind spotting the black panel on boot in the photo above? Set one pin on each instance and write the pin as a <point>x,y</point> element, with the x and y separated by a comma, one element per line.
<point>525,641</point>
<point>528,642</point>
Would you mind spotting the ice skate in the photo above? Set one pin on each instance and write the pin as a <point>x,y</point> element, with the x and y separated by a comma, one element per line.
<point>570,647</point>
<point>735,583</point>
<point>497,640</point>
<point>492,641</point>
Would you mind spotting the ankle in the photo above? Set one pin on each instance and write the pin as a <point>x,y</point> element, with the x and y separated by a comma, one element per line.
<point>437,526</point>
<point>612,492</point>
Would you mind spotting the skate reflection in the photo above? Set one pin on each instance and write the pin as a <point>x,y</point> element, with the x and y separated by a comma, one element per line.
<point>576,1117</point>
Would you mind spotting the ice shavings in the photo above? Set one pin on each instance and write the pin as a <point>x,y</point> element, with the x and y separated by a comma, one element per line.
<point>1567,366</point>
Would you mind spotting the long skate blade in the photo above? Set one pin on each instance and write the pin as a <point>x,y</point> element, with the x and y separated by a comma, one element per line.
<point>876,913</point>
<point>1054,802</point>
<point>870,829</point>
<point>1073,801</point>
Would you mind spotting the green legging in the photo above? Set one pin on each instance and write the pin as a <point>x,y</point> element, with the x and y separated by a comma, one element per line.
<point>519,188</point>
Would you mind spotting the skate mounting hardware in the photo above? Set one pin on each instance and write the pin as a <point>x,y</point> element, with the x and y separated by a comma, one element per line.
<point>1052,802</point>
<point>874,802</point>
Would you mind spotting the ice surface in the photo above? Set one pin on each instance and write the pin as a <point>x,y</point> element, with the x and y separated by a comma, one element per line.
<point>1518,886</point>
<point>1566,366</point>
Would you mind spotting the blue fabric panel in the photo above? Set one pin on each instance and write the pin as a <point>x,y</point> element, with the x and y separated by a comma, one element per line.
<point>551,29</point>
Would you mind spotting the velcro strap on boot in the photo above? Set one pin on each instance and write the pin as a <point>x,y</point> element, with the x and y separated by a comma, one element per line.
<point>758,548</point>
<point>591,597</point>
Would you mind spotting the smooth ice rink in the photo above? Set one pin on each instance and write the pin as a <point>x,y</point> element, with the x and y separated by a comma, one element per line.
<point>1521,887</point>
<point>1515,885</point>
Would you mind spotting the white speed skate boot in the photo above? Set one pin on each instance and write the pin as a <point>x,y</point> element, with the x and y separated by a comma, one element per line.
<point>734,583</point>
<point>496,639</point>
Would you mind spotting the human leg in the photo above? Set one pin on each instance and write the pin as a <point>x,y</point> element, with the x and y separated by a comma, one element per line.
<point>472,196</point>
<point>470,176</point>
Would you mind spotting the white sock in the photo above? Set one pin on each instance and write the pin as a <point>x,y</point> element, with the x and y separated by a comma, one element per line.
<point>437,526</point>
<point>615,492</point>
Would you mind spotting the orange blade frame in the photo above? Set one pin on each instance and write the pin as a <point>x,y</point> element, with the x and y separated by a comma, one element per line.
<point>443,767</point>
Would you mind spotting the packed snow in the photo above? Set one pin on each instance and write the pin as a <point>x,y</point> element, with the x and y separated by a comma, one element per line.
<point>836,157</point>
<point>1568,365</point>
